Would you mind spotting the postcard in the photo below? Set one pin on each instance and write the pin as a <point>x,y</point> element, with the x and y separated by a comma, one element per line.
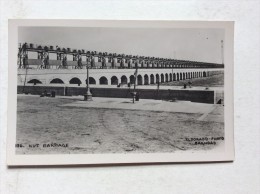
<point>120,92</point>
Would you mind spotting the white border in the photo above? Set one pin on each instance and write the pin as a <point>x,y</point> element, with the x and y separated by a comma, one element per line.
<point>73,159</point>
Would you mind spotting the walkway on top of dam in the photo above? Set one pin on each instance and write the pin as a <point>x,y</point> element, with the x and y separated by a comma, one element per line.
<point>209,112</point>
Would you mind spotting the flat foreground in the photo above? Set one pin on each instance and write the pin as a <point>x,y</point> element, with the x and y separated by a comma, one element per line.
<point>45,124</point>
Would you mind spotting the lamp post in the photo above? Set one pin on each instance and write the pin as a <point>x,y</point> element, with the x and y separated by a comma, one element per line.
<point>88,95</point>
<point>134,92</point>
<point>222,51</point>
<point>24,60</point>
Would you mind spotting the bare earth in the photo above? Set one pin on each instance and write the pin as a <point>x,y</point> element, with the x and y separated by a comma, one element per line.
<point>98,130</point>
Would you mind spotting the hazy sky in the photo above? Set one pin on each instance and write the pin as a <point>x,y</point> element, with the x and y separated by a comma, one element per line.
<point>188,44</point>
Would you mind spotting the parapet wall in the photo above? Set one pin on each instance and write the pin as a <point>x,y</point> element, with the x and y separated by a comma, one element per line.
<point>202,96</point>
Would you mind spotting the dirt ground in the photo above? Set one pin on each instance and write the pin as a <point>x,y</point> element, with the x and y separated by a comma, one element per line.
<point>42,121</point>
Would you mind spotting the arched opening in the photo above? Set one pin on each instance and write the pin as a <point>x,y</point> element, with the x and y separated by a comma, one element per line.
<point>75,80</point>
<point>103,81</point>
<point>174,77</point>
<point>151,79</point>
<point>187,75</point>
<point>114,80</point>
<point>146,79</point>
<point>34,81</point>
<point>123,79</point>
<point>132,79</point>
<point>183,76</point>
<point>139,80</point>
<point>200,74</point>
<point>204,74</point>
<point>162,78</point>
<point>178,77</point>
<point>166,77</point>
<point>170,77</point>
<point>193,74</point>
<point>91,80</point>
<point>56,81</point>
<point>157,78</point>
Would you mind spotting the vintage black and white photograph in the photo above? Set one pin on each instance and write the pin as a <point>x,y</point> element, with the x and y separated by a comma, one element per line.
<point>124,89</point>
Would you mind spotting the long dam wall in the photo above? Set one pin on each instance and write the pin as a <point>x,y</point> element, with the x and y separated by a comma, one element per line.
<point>201,96</point>
<point>110,76</point>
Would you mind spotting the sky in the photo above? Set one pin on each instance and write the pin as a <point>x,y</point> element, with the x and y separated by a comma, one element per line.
<point>187,44</point>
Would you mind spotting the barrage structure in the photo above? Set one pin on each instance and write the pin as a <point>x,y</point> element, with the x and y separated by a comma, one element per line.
<point>55,65</point>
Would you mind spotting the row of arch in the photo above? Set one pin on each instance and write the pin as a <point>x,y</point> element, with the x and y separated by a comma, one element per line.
<point>140,80</point>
